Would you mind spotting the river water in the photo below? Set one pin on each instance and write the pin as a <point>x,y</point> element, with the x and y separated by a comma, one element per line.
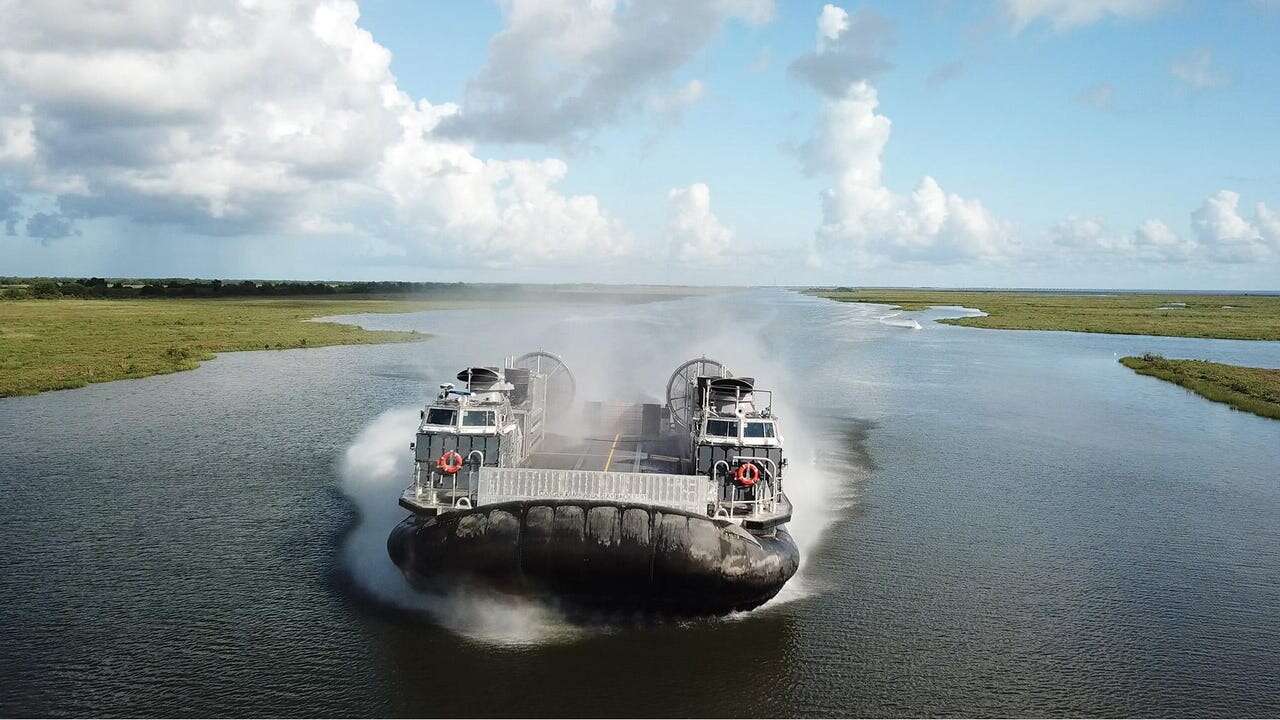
<point>992,522</point>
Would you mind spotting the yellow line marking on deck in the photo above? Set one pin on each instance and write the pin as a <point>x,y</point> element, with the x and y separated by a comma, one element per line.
<point>612,447</point>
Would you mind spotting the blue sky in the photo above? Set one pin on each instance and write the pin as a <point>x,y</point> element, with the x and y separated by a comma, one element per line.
<point>1103,143</point>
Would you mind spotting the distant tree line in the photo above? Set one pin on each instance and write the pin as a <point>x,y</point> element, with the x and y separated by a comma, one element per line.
<point>96,287</point>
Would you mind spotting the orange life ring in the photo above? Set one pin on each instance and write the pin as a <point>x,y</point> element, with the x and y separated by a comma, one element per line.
<point>747,474</point>
<point>450,463</point>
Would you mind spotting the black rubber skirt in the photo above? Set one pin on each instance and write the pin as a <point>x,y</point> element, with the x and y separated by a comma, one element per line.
<point>598,554</point>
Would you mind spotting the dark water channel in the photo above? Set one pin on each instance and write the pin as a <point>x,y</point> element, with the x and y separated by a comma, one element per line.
<point>995,523</point>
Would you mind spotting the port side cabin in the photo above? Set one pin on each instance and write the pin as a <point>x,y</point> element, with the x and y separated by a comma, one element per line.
<point>729,427</point>
<point>479,422</point>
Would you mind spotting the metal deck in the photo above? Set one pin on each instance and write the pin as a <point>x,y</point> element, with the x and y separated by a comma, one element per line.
<point>618,453</point>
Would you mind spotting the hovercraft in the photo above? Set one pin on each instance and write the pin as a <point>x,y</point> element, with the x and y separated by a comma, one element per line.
<point>675,508</point>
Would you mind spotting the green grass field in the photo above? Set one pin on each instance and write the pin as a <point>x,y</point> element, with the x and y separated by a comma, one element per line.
<point>1255,390</point>
<point>58,344</point>
<point>1237,317</point>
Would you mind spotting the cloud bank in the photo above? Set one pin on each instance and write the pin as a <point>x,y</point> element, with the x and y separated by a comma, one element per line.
<point>865,223</point>
<point>1227,236</point>
<point>560,69</point>
<point>262,130</point>
<point>1220,233</point>
<point>694,233</point>
<point>272,118</point>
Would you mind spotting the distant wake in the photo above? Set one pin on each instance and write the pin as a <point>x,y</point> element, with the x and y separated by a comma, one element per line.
<point>894,320</point>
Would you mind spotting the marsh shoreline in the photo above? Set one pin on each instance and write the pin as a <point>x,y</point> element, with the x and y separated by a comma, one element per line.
<point>1223,317</point>
<point>1226,317</point>
<point>1248,389</point>
<point>60,344</point>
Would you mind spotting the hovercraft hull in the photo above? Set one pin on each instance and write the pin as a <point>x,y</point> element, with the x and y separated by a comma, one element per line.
<point>598,554</point>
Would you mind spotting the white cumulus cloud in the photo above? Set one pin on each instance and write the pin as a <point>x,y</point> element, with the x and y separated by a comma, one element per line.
<point>235,118</point>
<point>1220,234</point>
<point>832,22</point>
<point>1154,240</point>
<point>867,223</point>
<point>694,234</point>
<point>1229,237</point>
<point>1087,234</point>
<point>850,49</point>
<point>1091,238</point>
<point>863,221</point>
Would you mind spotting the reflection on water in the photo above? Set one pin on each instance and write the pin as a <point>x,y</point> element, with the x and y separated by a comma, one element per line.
<point>993,522</point>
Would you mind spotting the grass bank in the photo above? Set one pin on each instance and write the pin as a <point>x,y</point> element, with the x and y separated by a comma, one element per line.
<point>1255,390</point>
<point>59,344</point>
<point>1235,317</point>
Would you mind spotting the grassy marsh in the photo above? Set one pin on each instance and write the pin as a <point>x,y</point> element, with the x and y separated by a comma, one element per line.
<point>59,344</point>
<point>1236,317</point>
<point>1255,390</point>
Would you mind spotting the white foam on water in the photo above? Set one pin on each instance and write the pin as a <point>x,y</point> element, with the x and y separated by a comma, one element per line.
<point>375,470</point>
<point>892,321</point>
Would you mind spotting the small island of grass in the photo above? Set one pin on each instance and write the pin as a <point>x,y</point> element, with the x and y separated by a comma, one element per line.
<point>1255,390</point>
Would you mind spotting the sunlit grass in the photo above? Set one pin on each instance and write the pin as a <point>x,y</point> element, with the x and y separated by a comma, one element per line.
<point>58,344</point>
<point>1255,390</point>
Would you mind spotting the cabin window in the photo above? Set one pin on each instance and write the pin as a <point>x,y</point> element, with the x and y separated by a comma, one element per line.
<point>758,430</point>
<point>440,416</point>
<point>722,428</point>
<point>477,418</point>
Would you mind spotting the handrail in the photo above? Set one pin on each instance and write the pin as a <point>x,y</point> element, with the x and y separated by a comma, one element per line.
<point>728,500</point>
<point>753,458</point>
<point>434,476</point>
<point>763,501</point>
<point>717,464</point>
<point>771,469</point>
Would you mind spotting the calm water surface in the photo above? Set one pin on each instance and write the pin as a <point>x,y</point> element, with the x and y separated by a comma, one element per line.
<point>995,523</point>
